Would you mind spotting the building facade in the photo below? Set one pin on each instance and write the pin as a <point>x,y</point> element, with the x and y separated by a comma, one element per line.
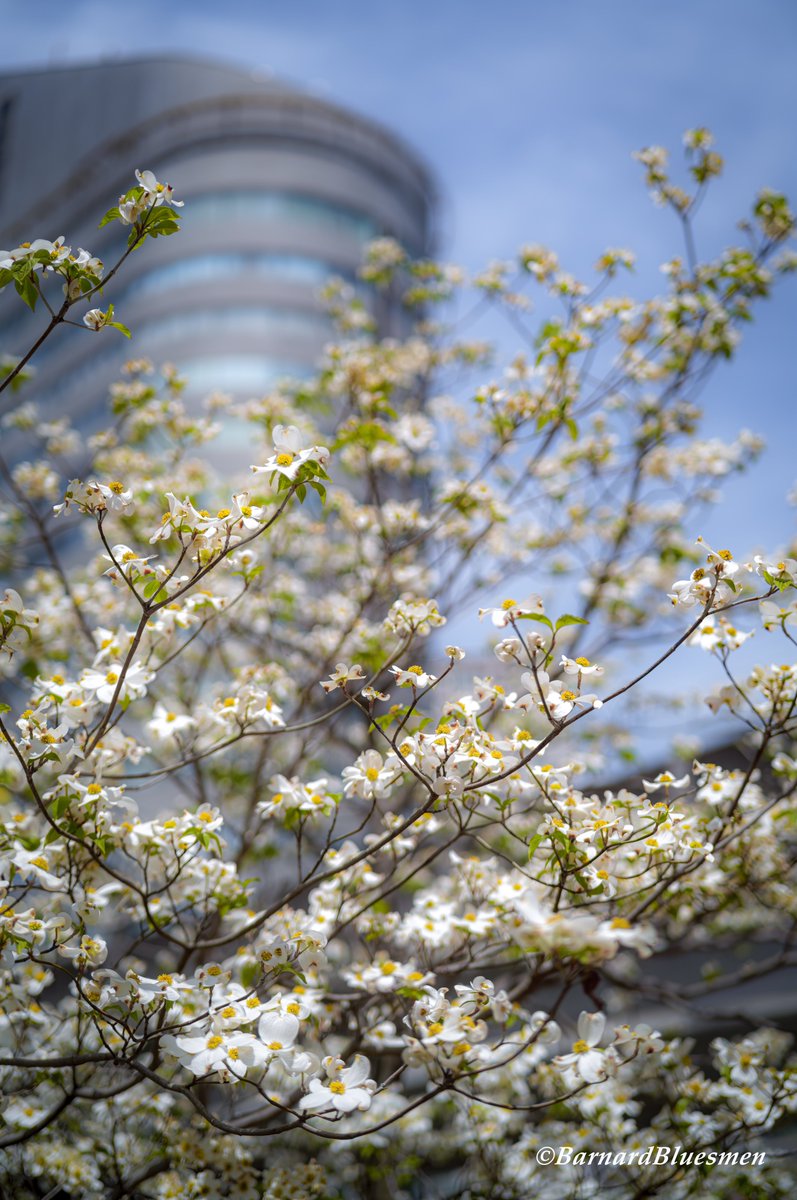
<point>282,191</point>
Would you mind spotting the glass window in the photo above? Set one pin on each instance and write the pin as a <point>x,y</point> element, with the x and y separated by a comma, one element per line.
<point>206,268</point>
<point>281,207</point>
<point>238,373</point>
<point>152,338</point>
<point>265,322</point>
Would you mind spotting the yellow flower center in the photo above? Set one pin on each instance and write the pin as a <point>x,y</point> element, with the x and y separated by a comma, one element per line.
<point>223,512</point>
<point>285,459</point>
<point>507,604</point>
<point>111,677</point>
<point>372,773</point>
<point>337,1086</point>
<point>580,1047</point>
<point>214,1041</point>
<point>275,1045</point>
<point>435,1028</point>
<point>116,486</point>
<point>229,1011</point>
<point>93,789</point>
<point>582,662</point>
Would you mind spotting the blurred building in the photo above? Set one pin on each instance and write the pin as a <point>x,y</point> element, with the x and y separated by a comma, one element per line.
<point>282,191</point>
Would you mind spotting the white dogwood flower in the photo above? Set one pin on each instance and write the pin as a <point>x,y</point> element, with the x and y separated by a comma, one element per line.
<point>347,1089</point>
<point>290,454</point>
<point>585,1060</point>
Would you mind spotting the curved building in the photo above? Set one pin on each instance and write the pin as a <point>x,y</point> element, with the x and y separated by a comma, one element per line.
<point>282,190</point>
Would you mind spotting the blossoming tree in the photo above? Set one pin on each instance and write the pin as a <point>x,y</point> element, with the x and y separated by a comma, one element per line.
<point>295,905</point>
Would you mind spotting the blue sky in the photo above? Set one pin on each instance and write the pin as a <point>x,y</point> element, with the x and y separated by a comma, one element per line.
<point>528,113</point>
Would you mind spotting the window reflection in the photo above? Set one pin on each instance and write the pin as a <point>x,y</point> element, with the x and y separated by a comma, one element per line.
<point>152,338</point>
<point>206,268</point>
<point>238,373</point>
<point>286,207</point>
<point>203,323</point>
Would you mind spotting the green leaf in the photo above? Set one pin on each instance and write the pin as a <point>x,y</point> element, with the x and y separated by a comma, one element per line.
<point>569,619</point>
<point>775,581</point>
<point>60,805</point>
<point>150,588</point>
<point>535,843</point>
<point>572,428</point>
<point>122,328</point>
<point>410,993</point>
<point>111,215</point>
<point>28,291</point>
<point>543,620</point>
<point>250,974</point>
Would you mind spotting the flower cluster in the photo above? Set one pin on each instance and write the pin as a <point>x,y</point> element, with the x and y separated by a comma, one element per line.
<point>301,900</point>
